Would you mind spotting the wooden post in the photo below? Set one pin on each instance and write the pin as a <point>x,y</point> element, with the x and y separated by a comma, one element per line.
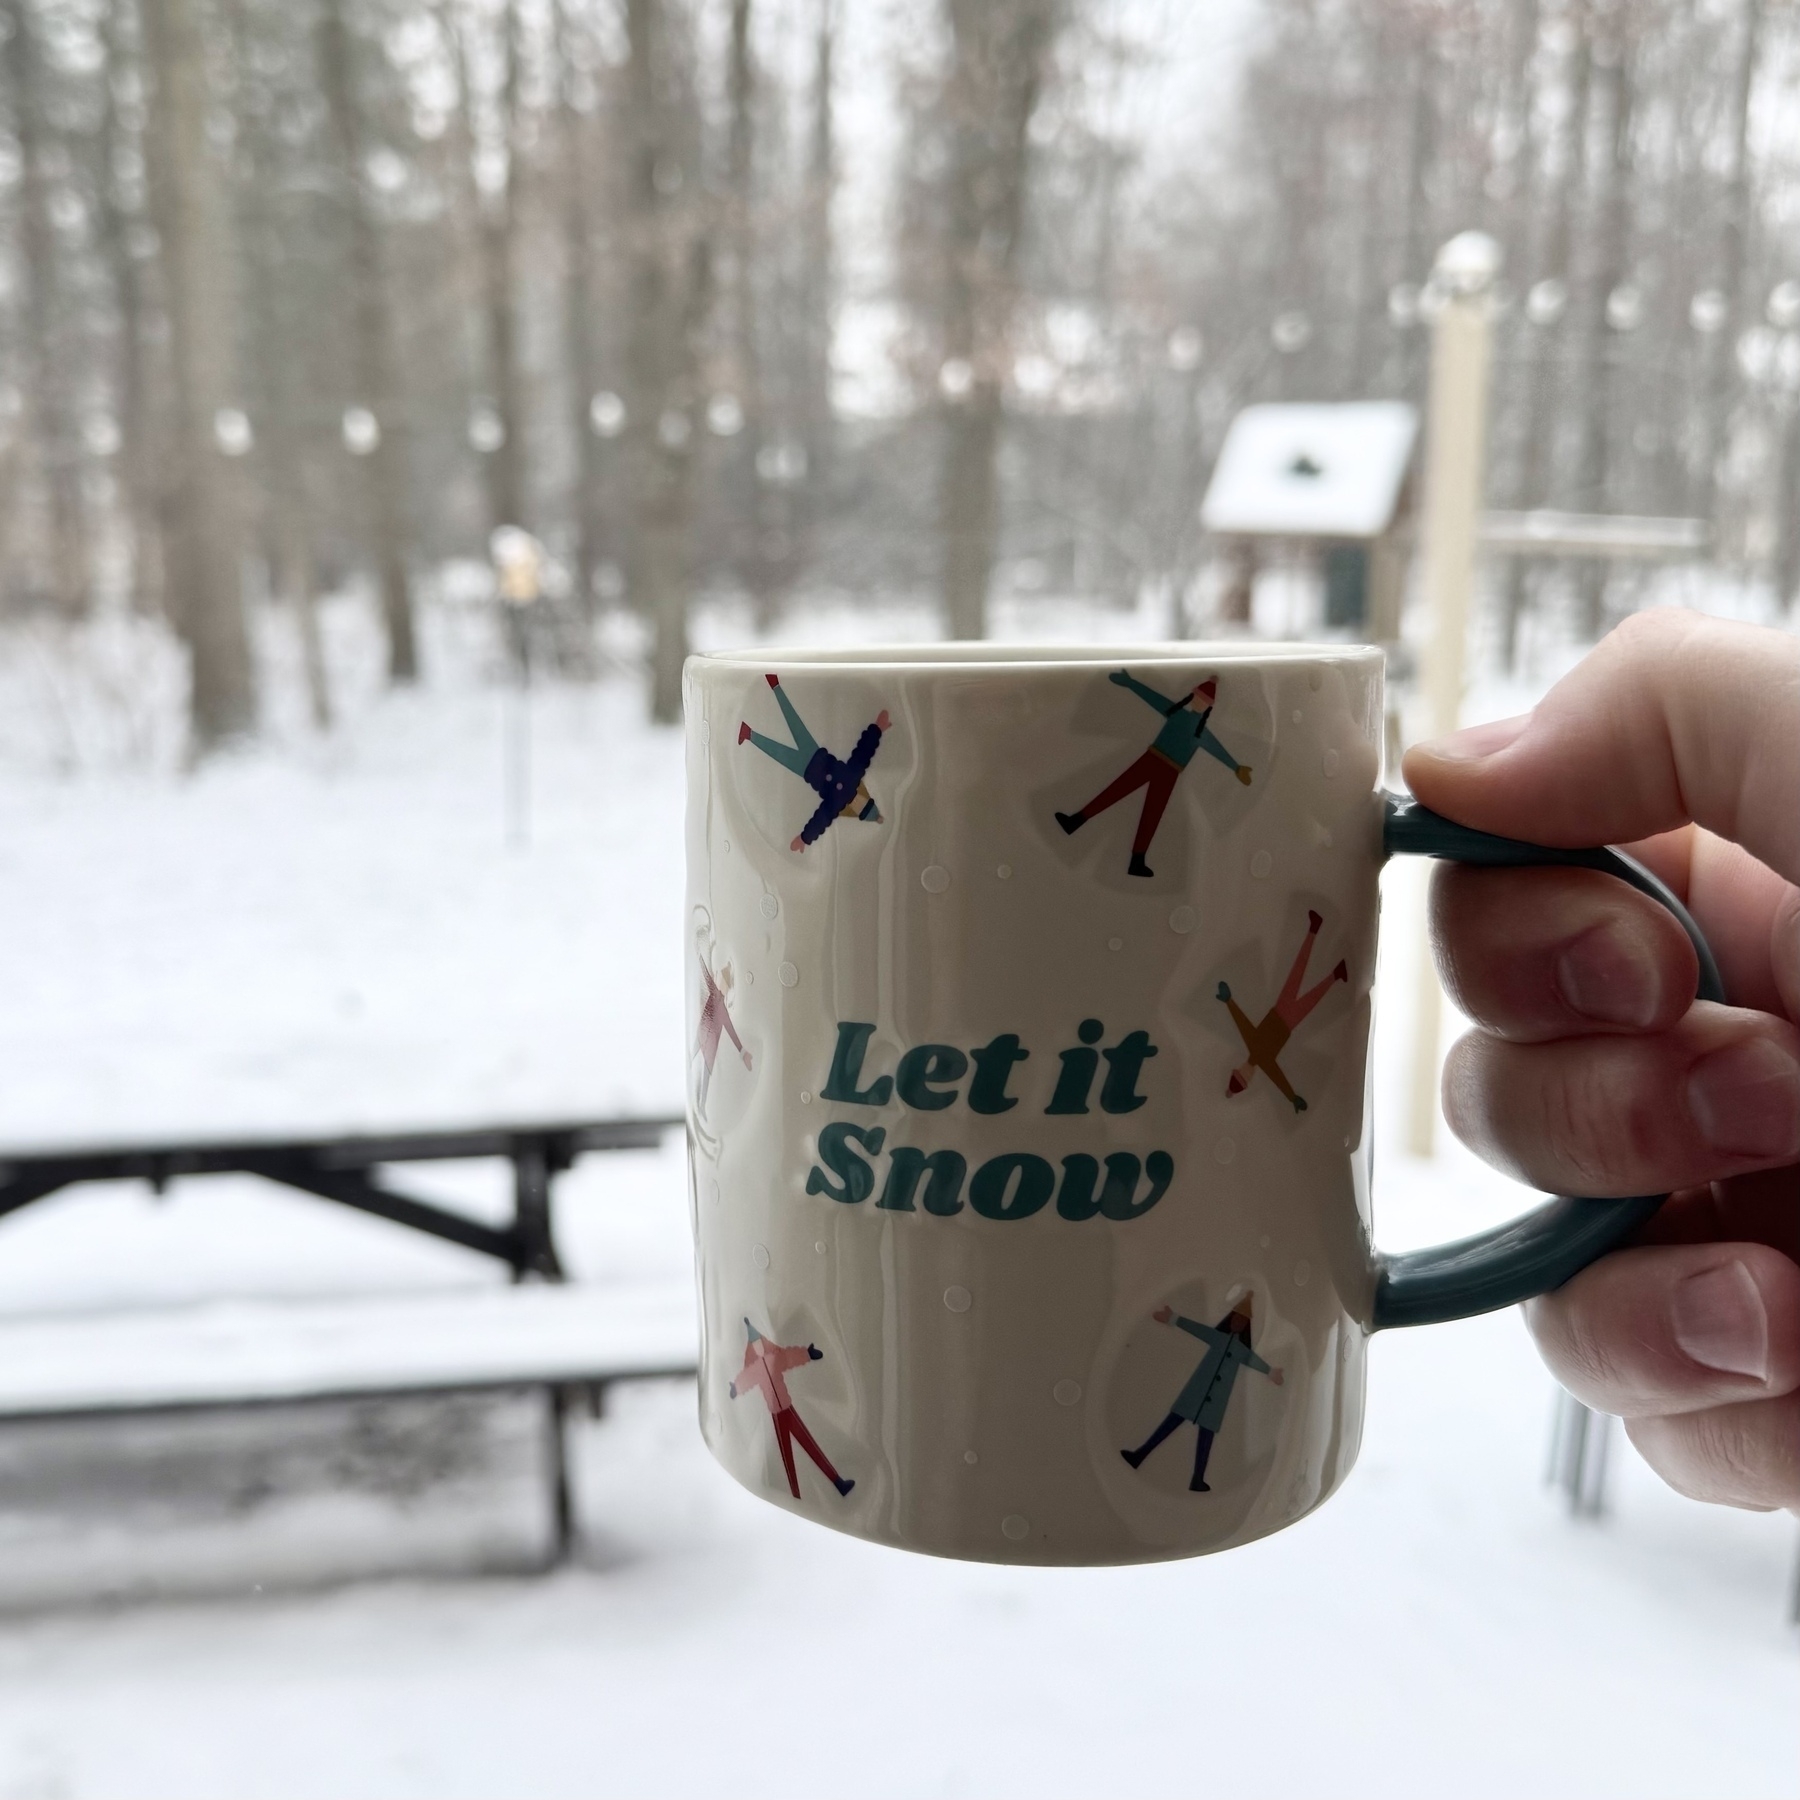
<point>1456,439</point>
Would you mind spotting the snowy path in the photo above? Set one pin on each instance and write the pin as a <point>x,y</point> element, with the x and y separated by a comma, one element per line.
<point>341,940</point>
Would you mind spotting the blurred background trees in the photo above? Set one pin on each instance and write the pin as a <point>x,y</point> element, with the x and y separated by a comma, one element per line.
<point>300,295</point>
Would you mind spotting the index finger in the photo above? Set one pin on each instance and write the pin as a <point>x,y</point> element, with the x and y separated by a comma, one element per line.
<point>1673,719</point>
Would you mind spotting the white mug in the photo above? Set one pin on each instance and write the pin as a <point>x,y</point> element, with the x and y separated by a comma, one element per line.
<point>1029,1098</point>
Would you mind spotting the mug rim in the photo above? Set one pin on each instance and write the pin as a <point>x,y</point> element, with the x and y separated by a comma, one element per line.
<point>976,654</point>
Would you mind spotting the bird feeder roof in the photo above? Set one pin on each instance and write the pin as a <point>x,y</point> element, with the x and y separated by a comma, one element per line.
<point>1312,471</point>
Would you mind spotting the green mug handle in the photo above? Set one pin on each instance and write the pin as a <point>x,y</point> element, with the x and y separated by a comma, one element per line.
<point>1540,1251</point>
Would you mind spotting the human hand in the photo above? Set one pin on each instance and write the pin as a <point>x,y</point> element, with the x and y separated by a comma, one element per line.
<point>882,720</point>
<point>1593,1071</point>
<point>1163,1314</point>
<point>798,844</point>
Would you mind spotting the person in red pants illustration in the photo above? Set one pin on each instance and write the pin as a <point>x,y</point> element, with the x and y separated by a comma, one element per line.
<point>1265,1039</point>
<point>1203,1401</point>
<point>839,783</point>
<point>715,1022</point>
<point>765,1368</point>
<point>1184,732</point>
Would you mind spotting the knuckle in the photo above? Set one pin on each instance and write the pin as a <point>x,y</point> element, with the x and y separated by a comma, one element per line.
<point>1600,1124</point>
<point>1577,1350</point>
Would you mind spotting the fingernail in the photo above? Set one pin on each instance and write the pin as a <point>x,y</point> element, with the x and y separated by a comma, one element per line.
<point>1745,1099</point>
<point>1476,741</point>
<point>1608,976</point>
<point>1719,1319</point>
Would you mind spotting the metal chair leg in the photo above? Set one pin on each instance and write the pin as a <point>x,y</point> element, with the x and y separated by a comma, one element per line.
<point>556,1461</point>
<point>1579,1442</point>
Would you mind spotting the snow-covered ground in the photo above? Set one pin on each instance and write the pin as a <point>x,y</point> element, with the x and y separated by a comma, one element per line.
<point>318,936</point>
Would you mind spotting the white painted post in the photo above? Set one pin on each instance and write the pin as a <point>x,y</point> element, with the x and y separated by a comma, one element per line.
<point>1460,299</point>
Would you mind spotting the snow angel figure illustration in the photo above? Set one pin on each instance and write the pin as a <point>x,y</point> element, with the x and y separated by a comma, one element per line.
<point>765,1367</point>
<point>1184,731</point>
<point>839,782</point>
<point>1267,1037</point>
<point>1203,1401</point>
<point>715,1022</point>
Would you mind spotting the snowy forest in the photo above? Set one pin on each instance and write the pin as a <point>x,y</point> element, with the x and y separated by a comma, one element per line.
<point>307,296</point>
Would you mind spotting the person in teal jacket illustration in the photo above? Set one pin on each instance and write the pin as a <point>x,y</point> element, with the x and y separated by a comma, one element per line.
<point>1203,1401</point>
<point>1184,731</point>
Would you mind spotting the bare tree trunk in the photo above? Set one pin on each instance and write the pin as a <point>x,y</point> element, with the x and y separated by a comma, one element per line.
<point>1734,240</point>
<point>578,342</point>
<point>1611,253</point>
<point>205,577</point>
<point>760,501</point>
<point>1543,378</point>
<point>49,354</point>
<point>670,288</point>
<point>374,353</point>
<point>269,312</point>
<point>497,239</point>
<point>999,49</point>
<point>817,291</point>
<point>117,231</point>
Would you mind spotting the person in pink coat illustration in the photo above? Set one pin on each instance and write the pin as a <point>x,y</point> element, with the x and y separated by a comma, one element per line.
<point>715,1022</point>
<point>765,1369</point>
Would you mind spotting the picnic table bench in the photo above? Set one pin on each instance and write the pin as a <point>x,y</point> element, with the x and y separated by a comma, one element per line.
<point>570,1341</point>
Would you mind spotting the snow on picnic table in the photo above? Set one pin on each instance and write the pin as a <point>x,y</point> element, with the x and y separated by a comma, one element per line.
<point>337,938</point>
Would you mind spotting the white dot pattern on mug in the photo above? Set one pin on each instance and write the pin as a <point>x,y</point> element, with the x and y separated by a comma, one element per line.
<point>934,879</point>
<point>819,1245</point>
<point>1224,1150</point>
<point>1331,762</point>
<point>971,1458</point>
<point>759,1254</point>
<point>1066,1392</point>
<point>805,1098</point>
<point>728,846</point>
<point>1298,715</point>
<point>1302,1272</point>
<point>790,976</point>
<point>958,1299</point>
<point>1004,871</point>
<point>706,731</point>
<point>1260,865</point>
<point>769,906</point>
<point>1016,1526</point>
<point>1183,920</point>
<point>1115,943</point>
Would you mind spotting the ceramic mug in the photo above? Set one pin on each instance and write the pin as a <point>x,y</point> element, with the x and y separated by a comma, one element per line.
<point>1029,1102</point>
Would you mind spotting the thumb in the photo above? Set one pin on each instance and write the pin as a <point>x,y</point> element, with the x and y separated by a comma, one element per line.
<point>1674,718</point>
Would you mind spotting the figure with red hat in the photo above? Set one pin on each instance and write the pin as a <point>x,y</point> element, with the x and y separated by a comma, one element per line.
<point>765,1368</point>
<point>1265,1038</point>
<point>838,781</point>
<point>1203,1401</point>
<point>1184,731</point>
